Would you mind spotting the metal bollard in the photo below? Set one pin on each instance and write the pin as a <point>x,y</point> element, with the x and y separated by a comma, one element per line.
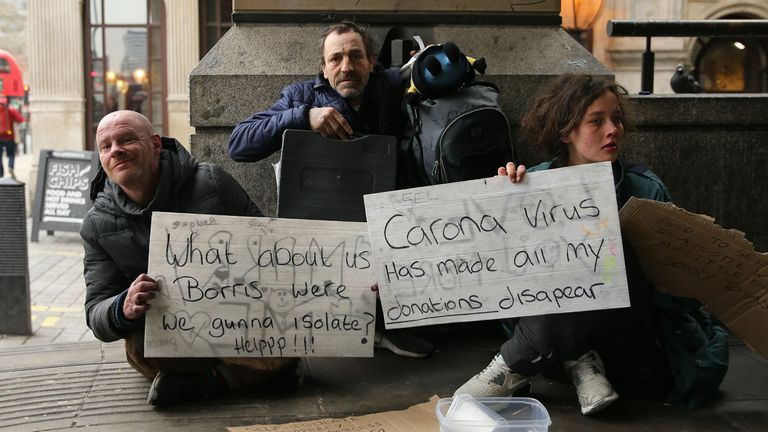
<point>15,314</point>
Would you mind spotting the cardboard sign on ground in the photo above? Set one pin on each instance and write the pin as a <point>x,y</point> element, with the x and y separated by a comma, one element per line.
<point>489,249</point>
<point>687,255</point>
<point>417,418</point>
<point>259,287</point>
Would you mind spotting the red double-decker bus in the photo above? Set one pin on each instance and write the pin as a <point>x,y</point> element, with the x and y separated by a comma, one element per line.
<point>11,82</point>
<point>12,89</point>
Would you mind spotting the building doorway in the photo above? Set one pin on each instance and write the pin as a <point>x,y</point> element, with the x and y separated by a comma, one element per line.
<point>125,61</point>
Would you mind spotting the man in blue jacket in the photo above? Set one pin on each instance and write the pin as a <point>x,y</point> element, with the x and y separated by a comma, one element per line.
<point>351,95</point>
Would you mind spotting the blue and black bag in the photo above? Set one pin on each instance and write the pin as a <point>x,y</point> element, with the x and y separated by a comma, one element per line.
<point>459,130</point>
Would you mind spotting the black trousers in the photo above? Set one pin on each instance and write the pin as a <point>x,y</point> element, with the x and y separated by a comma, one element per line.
<point>10,150</point>
<point>540,342</point>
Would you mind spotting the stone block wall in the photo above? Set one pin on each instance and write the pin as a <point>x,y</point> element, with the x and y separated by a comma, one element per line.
<point>711,151</point>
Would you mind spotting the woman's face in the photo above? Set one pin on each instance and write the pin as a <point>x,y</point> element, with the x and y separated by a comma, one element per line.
<point>598,136</point>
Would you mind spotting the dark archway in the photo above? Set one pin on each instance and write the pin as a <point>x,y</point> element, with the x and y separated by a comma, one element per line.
<point>732,65</point>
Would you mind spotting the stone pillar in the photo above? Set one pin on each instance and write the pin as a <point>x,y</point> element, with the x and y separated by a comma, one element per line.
<point>56,80</point>
<point>183,48</point>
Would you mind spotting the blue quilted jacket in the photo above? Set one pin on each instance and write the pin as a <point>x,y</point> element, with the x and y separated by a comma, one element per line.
<point>380,113</point>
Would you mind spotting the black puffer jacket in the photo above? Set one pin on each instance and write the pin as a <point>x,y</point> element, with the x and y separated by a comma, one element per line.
<point>115,231</point>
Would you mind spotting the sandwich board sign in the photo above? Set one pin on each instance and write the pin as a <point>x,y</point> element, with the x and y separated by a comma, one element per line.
<point>62,193</point>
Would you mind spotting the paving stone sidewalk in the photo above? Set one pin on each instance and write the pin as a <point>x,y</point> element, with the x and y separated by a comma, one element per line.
<point>57,292</point>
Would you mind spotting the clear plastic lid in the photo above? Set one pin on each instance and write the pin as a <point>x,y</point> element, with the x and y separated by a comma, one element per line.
<point>491,414</point>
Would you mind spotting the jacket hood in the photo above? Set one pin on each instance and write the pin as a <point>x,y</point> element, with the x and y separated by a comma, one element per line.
<point>177,166</point>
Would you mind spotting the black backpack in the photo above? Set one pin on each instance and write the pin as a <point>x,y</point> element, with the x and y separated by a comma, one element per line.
<point>459,130</point>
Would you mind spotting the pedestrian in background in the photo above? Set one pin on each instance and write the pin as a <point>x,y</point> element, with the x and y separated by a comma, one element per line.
<point>9,116</point>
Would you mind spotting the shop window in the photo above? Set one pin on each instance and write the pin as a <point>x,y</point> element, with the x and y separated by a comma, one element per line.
<point>215,20</point>
<point>125,60</point>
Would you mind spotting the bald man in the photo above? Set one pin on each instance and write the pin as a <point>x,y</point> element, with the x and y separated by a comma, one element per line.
<point>142,172</point>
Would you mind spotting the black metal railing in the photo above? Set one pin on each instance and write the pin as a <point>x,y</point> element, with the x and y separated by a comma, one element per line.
<point>680,28</point>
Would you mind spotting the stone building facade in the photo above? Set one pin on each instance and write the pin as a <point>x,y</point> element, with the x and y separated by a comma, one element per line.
<point>66,69</point>
<point>624,55</point>
<point>681,137</point>
<point>59,70</point>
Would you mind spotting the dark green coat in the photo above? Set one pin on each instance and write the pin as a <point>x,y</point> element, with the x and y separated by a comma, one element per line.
<point>696,346</point>
<point>630,179</point>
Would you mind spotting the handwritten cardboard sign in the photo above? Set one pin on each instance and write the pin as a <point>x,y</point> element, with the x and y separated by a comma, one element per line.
<point>489,249</point>
<point>687,255</point>
<point>259,287</point>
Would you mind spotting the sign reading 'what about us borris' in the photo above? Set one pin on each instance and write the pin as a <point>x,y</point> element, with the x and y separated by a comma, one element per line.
<point>490,249</point>
<point>259,287</point>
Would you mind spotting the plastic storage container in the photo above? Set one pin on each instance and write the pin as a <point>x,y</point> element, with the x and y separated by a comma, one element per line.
<point>464,413</point>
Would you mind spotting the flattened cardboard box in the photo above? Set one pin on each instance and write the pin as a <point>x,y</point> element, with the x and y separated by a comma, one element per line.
<point>687,255</point>
<point>417,418</point>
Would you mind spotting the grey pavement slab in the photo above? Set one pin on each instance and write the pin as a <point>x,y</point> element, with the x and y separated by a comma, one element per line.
<point>77,385</point>
<point>57,292</point>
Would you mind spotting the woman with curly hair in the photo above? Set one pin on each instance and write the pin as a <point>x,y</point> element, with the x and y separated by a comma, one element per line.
<point>580,119</point>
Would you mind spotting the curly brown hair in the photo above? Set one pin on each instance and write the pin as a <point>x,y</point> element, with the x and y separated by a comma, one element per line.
<point>560,107</point>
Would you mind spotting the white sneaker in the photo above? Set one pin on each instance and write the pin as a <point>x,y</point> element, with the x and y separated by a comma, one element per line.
<point>593,388</point>
<point>495,380</point>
